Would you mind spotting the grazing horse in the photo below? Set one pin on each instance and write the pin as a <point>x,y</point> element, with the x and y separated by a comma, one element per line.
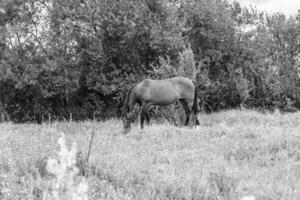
<point>160,93</point>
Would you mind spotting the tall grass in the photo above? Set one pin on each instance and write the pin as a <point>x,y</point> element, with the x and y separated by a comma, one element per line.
<point>231,155</point>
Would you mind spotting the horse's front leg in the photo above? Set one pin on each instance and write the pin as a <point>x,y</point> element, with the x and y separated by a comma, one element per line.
<point>148,118</point>
<point>142,120</point>
<point>145,110</point>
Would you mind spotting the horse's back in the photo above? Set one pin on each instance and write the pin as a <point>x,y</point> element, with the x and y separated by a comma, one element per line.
<point>182,81</point>
<point>173,80</point>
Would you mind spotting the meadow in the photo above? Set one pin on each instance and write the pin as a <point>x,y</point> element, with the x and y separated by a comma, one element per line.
<point>232,154</point>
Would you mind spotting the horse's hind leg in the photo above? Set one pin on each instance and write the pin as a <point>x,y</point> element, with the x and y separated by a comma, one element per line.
<point>197,121</point>
<point>187,111</point>
<point>194,115</point>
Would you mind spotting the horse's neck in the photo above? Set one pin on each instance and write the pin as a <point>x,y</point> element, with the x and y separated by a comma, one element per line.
<point>131,104</point>
<point>131,100</point>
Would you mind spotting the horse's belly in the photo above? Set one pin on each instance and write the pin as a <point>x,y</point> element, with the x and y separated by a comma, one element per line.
<point>162,97</point>
<point>163,102</point>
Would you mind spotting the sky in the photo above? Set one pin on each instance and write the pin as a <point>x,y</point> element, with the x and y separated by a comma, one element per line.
<point>288,7</point>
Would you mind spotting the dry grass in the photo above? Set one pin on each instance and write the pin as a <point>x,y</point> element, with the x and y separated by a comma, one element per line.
<point>231,155</point>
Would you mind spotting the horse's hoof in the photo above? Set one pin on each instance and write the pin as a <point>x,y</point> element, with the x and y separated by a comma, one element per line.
<point>126,131</point>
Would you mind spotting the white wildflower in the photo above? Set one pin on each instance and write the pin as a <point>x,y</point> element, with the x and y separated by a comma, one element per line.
<point>65,186</point>
<point>248,198</point>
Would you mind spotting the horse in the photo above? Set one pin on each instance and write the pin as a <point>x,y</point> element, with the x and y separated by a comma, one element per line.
<point>162,92</point>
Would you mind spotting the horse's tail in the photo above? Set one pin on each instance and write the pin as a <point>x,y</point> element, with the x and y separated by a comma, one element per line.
<point>195,104</point>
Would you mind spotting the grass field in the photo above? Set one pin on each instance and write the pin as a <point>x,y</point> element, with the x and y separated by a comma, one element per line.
<point>231,155</point>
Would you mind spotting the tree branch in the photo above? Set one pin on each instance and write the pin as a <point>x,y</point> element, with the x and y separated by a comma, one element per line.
<point>39,42</point>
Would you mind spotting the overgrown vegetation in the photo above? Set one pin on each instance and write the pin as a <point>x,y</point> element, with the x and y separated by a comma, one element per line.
<point>74,59</point>
<point>231,155</point>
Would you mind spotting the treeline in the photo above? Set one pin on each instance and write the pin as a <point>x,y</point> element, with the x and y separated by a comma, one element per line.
<point>63,59</point>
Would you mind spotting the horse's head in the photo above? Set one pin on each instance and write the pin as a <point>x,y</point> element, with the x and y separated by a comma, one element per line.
<point>126,125</point>
<point>126,118</point>
<point>126,112</point>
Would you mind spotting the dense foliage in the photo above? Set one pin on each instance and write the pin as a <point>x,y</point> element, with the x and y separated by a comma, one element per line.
<point>63,59</point>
